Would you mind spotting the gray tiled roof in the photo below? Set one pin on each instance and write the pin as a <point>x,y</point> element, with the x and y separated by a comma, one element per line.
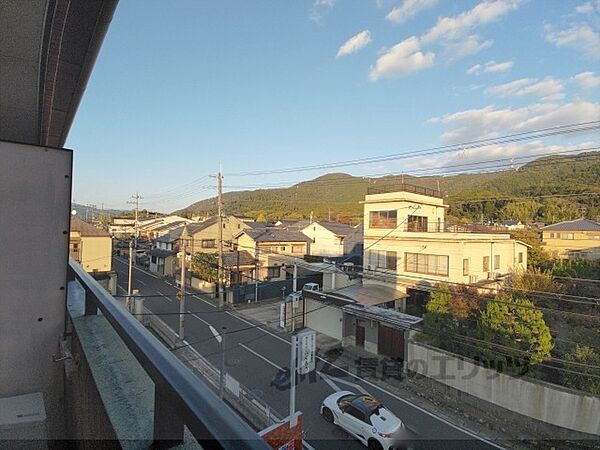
<point>575,225</point>
<point>339,229</point>
<point>193,228</point>
<point>276,235</point>
<point>86,229</point>
<point>162,253</point>
<point>231,258</point>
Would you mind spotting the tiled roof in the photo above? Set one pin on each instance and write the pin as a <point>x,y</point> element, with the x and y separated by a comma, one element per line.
<point>575,225</point>
<point>85,229</point>
<point>193,228</point>
<point>231,258</point>
<point>162,253</point>
<point>339,229</point>
<point>276,235</point>
<point>508,223</point>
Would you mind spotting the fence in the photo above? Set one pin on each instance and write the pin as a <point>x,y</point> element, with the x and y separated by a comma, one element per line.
<point>404,187</point>
<point>269,289</point>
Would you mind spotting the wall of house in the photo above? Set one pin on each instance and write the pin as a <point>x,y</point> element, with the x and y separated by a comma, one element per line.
<point>96,253</point>
<point>324,242</point>
<point>457,248</point>
<point>371,332</point>
<point>323,319</point>
<point>337,280</point>
<point>534,399</point>
<point>584,245</point>
<point>231,227</point>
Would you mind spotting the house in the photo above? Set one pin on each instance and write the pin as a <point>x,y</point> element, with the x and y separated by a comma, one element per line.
<point>163,255</point>
<point>512,224</point>
<point>160,226</point>
<point>332,239</point>
<point>407,246</point>
<point>203,236</point>
<point>273,249</point>
<point>92,248</point>
<point>573,239</point>
<point>122,227</point>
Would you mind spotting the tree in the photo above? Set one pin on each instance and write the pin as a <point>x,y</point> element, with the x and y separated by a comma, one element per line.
<point>205,266</point>
<point>587,377</point>
<point>535,281</point>
<point>519,329</point>
<point>260,217</point>
<point>536,255</point>
<point>525,210</point>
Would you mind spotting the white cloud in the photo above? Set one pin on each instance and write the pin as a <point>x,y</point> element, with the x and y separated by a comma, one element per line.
<point>490,67</point>
<point>587,80</point>
<point>548,88</point>
<point>409,9</point>
<point>402,58</point>
<point>505,89</point>
<point>328,3</point>
<point>354,44</point>
<point>490,121</point>
<point>318,8</point>
<point>579,37</point>
<point>468,46</point>
<point>588,7</point>
<point>460,25</point>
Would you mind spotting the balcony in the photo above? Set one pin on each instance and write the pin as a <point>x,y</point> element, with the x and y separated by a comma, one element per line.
<point>123,385</point>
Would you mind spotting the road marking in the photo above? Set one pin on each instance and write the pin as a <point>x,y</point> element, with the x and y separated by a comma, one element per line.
<point>261,356</point>
<point>201,299</point>
<point>328,380</point>
<point>140,281</point>
<point>407,402</point>
<point>198,317</point>
<point>169,300</point>
<point>307,446</point>
<point>122,288</point>
<point>122,261</point>
<point>358,387</point>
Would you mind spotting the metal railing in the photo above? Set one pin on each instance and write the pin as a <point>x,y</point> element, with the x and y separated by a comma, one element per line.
<point>180,398</point>
<point>404,187</point>
<point>435,227</point>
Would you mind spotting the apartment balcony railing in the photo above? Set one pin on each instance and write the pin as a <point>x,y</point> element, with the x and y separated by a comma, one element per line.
<point>451,228</point>
<point>404,187</point>
<point>181,399</point>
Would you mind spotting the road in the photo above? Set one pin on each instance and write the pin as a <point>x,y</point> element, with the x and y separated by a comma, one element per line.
<point>254,355</point>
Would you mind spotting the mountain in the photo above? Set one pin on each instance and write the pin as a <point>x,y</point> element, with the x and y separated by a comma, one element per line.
<point>83,211</point>
<point>547,189</point>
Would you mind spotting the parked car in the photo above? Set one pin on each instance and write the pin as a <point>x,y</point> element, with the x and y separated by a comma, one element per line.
<point>365,418</point>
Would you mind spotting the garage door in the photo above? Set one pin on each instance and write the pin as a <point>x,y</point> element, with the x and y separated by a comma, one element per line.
<point>326,320</point>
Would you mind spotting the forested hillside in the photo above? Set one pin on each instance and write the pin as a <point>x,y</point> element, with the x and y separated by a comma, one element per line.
<point>548,189</point>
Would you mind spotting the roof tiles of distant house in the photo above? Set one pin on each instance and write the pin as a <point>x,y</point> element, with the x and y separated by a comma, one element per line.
<point>193,228</point>
<point>86,229</point>
<point>172,236</point>
<point>231,259</point>
<point>276,235</point>
<point>574,225</point>
<point>510,223</point>
<point>171,225</point>
<point>339,229</point>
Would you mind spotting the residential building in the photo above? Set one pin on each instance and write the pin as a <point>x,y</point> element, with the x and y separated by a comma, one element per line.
<point>90,246</point>
<point>161,226</point>
<point>163,255</point>
<point>273,249</point>
<point>512,224</point>
<point>572,239</point>
<point>122,227</point>
<point>204,236</point>
<point>408,246</point>
<point>332,239</point>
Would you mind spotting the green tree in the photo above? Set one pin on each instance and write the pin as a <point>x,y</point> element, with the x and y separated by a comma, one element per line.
<point>260,217</point>
<point>519,328</point>
<point>536,255</point>
<point>587,361</point>
<point>535,281</point>
<point>205,266</point>
<point>525,210</point>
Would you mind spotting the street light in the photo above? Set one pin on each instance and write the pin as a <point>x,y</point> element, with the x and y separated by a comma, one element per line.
<point>220,337</point>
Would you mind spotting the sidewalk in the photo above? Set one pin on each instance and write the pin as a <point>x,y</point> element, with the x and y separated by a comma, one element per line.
<point>416,390</point>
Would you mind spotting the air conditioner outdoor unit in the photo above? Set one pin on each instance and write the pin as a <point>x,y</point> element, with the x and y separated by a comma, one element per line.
<point>473,279</point>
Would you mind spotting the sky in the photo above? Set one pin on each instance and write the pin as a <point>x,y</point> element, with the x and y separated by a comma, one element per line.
<point>183,87</point>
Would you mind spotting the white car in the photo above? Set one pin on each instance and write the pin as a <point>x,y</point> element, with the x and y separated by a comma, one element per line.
<point>365,418</point>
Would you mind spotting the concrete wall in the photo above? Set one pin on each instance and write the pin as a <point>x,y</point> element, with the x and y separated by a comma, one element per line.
<point>326,320</point>
<point>33,275</point>
<point>538,400</point>
<point>337,280</point>
<point>371,333</point>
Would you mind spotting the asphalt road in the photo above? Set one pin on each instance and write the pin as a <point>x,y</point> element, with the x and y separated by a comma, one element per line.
<point>254,355</point>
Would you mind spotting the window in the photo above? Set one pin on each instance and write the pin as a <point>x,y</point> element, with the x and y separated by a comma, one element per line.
<point>417,223</point>
<point>356,413</point>
<point>382,259</point>
<point>426,264</point>
<point>568,236</point>
<point>209,243</point>
<point>383,219</point>
<point>520,257</point>
<point>297,249</point>
<point>153,259</point>
<point>496,262</point>
<point>551,235</point>
<point>273,272</point>
<point>283,249</point>
<point>465,267</point>
<point>486,263</point>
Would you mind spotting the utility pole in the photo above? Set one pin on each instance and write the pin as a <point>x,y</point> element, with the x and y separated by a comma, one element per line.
<point>129,285</point>
<point>293,370</point>
<point>238,281</point>
<point>182,294</point>
<point>220,213</point>
<point>256,273</point>
<point>136,201</point>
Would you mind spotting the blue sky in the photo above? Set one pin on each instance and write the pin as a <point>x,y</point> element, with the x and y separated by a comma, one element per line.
<point>183,85</point>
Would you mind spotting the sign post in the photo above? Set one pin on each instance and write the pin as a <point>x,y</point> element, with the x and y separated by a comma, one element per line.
<point>302,361</point>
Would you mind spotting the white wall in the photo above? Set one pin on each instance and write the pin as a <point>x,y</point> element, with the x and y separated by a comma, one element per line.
<point>325,243</point>
<point>326,320</point>
<point>541,401</point>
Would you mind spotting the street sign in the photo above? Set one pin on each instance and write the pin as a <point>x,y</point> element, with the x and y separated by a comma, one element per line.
<point>282,315</point>
<point>307,346</point>
<point>179,295</point>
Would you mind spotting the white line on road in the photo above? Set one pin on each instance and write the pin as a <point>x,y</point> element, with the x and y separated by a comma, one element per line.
<point>261,356</point>
<point>424,411</point>
<point>141,282</point>
<point>122,288</point>
<point>201,299</point>
<point>123,261</point>
<point>168,299</point>
<point>199,318</point>
<point>328,380</point>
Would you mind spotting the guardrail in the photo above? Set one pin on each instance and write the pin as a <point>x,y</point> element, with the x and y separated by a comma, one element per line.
<point>181,398</point>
